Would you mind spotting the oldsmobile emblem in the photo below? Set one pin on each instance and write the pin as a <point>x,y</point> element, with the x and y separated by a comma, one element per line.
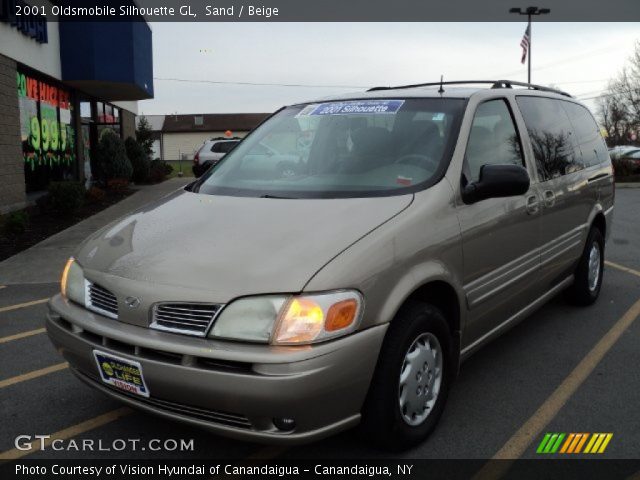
<point>132,302</point>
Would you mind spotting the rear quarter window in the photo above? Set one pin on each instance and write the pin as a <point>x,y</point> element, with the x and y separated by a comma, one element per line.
<point>552,137</point>
<point>590,142</point>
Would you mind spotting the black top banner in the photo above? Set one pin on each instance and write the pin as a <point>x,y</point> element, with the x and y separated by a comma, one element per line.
<point>321,10</point>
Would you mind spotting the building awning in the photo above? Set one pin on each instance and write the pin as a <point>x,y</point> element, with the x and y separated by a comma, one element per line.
<point>109,60</point>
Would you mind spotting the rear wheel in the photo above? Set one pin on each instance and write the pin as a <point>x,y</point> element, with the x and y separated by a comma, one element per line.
<point>412,378</point>
<point>589,272</point>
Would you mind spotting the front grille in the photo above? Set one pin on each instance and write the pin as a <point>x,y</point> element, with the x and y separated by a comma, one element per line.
<point>164,356</point>
<point>101,300</point>
<point>186,318</point>
<point>231,419</point>
<point>214,416</point>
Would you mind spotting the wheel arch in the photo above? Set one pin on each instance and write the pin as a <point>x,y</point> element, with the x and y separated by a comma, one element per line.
<point>442,295</point>
<point>600,223</point>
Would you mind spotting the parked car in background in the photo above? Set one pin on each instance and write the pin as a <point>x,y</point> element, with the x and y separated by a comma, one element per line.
<point>621,151</point>
<point>211,152</point>
<point>632,159</point>
<point>632,154</point>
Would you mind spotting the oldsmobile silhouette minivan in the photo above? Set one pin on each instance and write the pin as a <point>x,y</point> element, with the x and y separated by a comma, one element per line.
<point>341,281</point>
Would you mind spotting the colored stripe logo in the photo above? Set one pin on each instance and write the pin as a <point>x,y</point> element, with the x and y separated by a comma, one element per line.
<point>574,443</point>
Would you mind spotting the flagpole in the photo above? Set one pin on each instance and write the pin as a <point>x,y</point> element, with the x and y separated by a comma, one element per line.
<point>530,47</point>
<point>529,12</point>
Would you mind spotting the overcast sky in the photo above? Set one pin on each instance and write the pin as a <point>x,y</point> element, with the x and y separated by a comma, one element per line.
<point>576,57</point>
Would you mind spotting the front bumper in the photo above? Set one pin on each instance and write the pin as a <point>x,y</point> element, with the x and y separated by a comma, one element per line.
<point>230,388</point>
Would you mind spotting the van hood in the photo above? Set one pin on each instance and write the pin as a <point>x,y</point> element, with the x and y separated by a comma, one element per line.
<point>233,246</point>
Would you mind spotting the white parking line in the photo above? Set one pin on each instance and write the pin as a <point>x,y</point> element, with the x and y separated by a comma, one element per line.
<point>34,374</point>
<point>622,268</point>
<point>23,305</point>
<point>70,432</point>
<point>18,336</point>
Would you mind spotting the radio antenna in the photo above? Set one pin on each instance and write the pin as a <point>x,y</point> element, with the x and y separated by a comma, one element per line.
<point>441,90</point>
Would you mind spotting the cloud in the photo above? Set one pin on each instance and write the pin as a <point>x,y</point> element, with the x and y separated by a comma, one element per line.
<point>577,57</point>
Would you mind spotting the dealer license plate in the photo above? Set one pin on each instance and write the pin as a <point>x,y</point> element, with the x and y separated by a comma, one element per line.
<point>121,373</point>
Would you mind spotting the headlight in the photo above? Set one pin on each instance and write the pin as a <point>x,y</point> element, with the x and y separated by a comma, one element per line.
<point>250,318</point>
<point>72,285</point>
<point>290,319</point>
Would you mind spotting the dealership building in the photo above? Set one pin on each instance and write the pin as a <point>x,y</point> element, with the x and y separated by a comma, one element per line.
<point>61,85</point>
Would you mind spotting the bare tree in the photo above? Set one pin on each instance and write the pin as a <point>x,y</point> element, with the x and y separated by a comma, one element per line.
<point>619,107</point>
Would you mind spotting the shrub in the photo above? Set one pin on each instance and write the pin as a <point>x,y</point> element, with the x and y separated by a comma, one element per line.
<point>66,198</point>
<point>16,223</point>
<point>96,195</point>
<point>139,160</point>
<point>111,159</point>
<point>144,136</point>
<point>44,204</point>
<point>118,184</point>
<point>159,170</point>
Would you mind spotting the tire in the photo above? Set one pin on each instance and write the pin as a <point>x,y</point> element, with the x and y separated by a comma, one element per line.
<point>384,422</point>
<point>202,168</point>
<point>587,284</point>
<point>197,170</point>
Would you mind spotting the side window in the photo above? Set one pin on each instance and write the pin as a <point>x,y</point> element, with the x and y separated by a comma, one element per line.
<point>228,146</point>
<point>223,147</point>
<point>588,138</point>
<point>493,139</point>
<point>551,136</point>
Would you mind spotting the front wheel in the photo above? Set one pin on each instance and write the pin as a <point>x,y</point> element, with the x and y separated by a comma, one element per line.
<point>412,378</point>
<point>589,272</point>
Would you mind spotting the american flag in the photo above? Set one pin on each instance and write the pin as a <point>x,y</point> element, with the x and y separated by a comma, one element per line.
<point>524,43</point>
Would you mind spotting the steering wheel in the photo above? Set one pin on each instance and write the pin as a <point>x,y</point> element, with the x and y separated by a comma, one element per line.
<point>417,159</point>
<point>287,169</point>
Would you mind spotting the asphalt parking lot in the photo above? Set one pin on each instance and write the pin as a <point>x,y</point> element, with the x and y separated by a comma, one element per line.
<point>565,369</point>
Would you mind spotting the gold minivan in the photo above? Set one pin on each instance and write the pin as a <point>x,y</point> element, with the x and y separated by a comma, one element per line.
<point>339,263</point>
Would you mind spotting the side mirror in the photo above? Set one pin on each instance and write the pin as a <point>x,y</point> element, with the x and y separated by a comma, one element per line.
<point>497,181</point>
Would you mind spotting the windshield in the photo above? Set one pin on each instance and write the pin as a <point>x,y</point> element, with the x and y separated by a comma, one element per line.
<point>350,148</point>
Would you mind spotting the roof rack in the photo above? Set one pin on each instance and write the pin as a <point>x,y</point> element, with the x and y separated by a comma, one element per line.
<point>493,83</point>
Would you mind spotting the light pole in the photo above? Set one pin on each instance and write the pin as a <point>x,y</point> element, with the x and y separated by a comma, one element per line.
<point>529,12</point>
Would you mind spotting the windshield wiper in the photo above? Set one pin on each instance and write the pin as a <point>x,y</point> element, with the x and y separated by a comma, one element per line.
<point>278,197</point>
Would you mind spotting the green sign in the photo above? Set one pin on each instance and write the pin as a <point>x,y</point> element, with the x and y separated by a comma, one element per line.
<point>47,132</point>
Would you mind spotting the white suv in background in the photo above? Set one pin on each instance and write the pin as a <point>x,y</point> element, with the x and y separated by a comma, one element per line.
<point>211,152</point>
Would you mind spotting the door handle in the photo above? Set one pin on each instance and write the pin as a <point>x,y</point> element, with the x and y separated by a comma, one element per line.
<point>597,177</point>
<point>549,198</point>
<point>532,204</point>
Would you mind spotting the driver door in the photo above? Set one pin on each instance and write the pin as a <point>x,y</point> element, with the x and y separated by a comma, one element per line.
<point>500,236</point>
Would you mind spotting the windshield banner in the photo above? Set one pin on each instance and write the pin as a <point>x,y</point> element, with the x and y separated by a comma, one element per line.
<point>353,107</point>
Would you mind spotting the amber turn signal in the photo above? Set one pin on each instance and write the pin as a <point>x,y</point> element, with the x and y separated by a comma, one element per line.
<point>341,315</point>
<point>65,275</point>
